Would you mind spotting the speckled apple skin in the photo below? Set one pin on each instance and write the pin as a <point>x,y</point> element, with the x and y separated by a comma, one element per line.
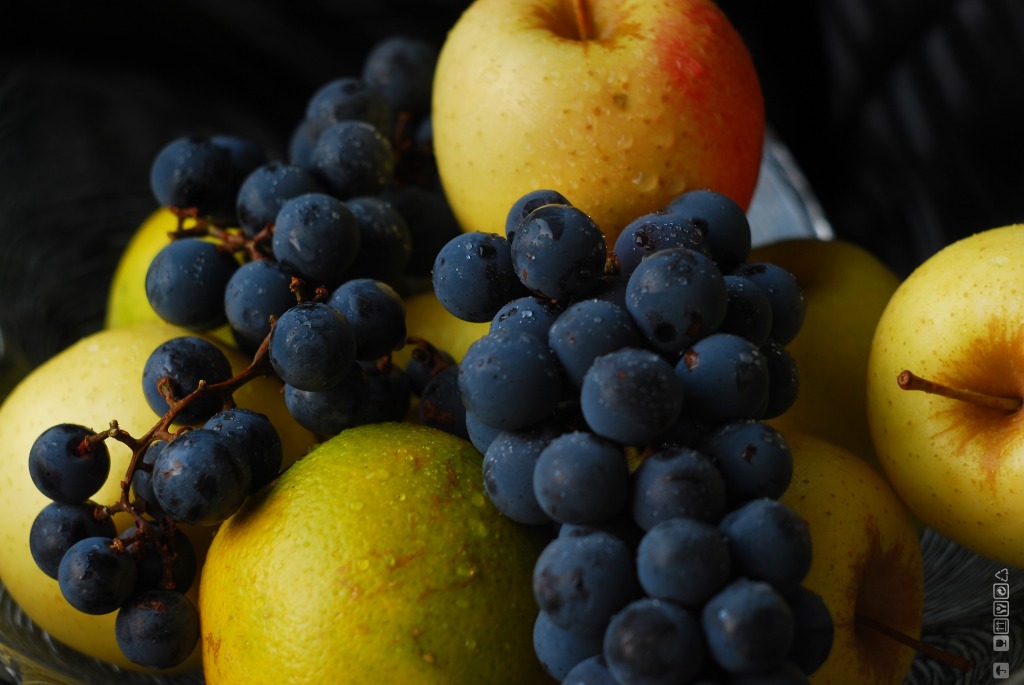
<point>663,99</point>
<point>866,561</point>
<point>958,319</point>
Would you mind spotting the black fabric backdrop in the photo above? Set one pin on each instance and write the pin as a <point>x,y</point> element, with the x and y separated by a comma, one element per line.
<point>904,114</point>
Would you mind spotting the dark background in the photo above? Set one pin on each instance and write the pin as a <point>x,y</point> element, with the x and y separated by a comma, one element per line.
<point>905,116</point>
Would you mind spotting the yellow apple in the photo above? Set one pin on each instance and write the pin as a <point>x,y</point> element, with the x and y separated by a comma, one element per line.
<point>620,105</point>
<point>94,381</point>
<point>426,317</point>
<point>126,300</point>
<point>866,564</point>
<point>846,289</point>
<point>958,462</point>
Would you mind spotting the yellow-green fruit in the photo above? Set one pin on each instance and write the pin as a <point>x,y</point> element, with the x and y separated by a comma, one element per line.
<point>378,558</point>
<point>427,318</point>
<point>126,301</point>
<point>620,106</point>
<point>866,562</point>
<point>846,289</point>
<point>94,381</point>
<point>958,321</point>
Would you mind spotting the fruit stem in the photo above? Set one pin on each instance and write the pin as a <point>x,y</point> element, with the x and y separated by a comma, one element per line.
<point>581,9</point>
<point>962,664</point>
<point>909,381</point>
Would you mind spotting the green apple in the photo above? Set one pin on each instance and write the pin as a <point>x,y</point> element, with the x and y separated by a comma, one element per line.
<point>846,289</point>
<point>126,300</point>
<point>866,565</point>
<point>92,382</point>
<point>955,324</point>
<point>620,105</point>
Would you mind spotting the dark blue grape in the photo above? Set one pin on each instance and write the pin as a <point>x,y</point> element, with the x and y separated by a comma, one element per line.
<point>509,379</point>
<point>630,396</point>
<point>676,296</point>
<point>813,627</point>
<point>331,410</point>
<point>786,673</point>
<point>653,642</point>
<point>724,378</point>
<point>317,237</point>
<point>581,478</point>
<point>423,136</point>
<point>390,395</point>
<point>473,276</point>
<point>385,241</point>
<point>95,578</point>
<point>587,330</point>
<point>754,459</point>
<point>653,232</point>
<point>425,362</point>
<point>558,252</point>
<point>183,363</point>
<point>783,292</point>
<point>353,158</point>
<point>58,526</point>
<point>522,207</point>
<point>558,649</point>
<point>480,434</point>
<point>245,155</point>
<point>590,671</point>
<point>348,99</point>
<point>508,470</point>
<point>199,477</point>
<point>580,581</point>
<point>769,541</point>
<point>529,314</point>
<point>683,560</point>
<point>64,467</point>
<point>157,628</point>
<point>300,145</point>
<point>194,172</point>
<point>723,222</point>
<point>312,346</point>
<point>142,481</point>
<point>376,313</point>
<point>266,189</point>
<point>402,68</point>
<point>146,553</point>
<point>441,403</point>
<point>255,440</point>
<point>677,482</point>
<point>185,283</point>
<point>749,313</point>
<point>748,627</point>
<point>783,379</point>
<point>257,291</point>
<point>431,224</point>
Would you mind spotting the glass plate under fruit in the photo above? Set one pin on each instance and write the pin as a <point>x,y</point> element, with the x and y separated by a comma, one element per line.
<point>958,584</point>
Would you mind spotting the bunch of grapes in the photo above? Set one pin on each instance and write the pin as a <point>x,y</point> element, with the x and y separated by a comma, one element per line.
<point>621,397</point>
<point>321,246</point>
<point>305,260</point>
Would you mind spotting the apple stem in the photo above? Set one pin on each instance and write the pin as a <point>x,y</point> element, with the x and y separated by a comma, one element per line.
<point>956,661</point>
<point>581,9</point>
<point>909,381</point>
